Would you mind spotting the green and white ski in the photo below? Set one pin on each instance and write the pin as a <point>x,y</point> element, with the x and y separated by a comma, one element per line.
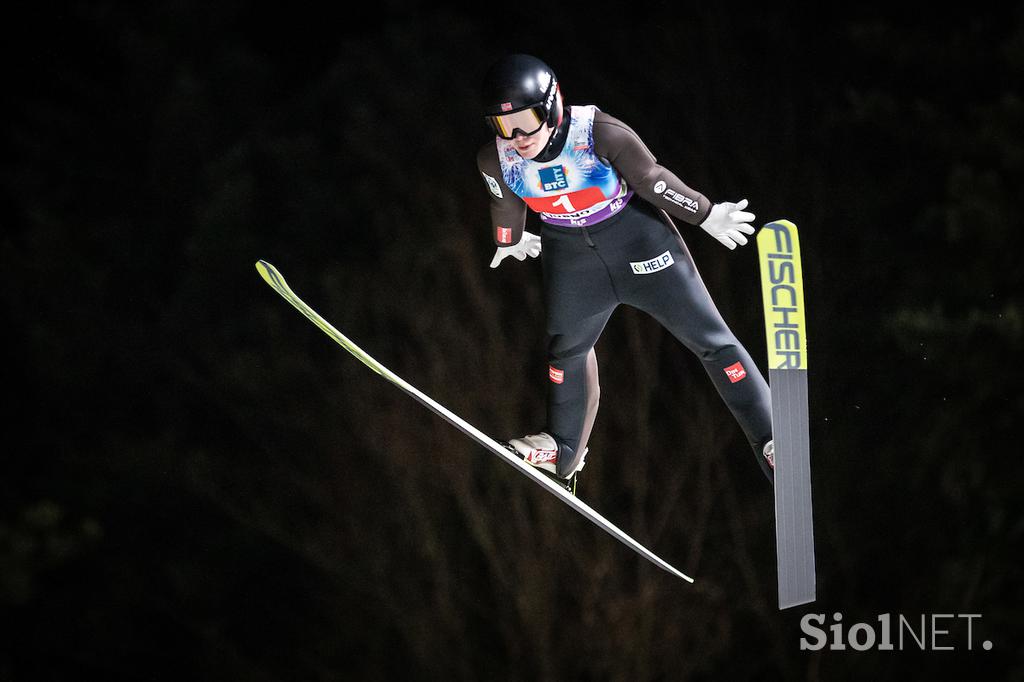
<point>277,281</point>
<point>782,287</point>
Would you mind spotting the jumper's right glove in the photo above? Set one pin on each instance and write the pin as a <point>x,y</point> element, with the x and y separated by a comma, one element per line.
<point>727,221</point>
<point>529,245</point>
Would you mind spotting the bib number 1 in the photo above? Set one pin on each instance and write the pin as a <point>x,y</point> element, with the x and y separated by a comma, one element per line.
<point>564,202</point>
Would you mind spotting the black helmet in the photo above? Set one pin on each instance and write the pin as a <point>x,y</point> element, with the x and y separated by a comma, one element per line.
<point>520,83</point>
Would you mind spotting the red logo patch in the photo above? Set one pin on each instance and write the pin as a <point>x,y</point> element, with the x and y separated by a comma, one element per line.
<point>542,456</point>
<point>506,106</point>
<point>735,372</point>
<point>504,235</point>
<point>556,375</point>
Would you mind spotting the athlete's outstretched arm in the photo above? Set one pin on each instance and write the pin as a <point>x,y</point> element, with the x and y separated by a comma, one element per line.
<point>508,211</point>
<point>622,148</point>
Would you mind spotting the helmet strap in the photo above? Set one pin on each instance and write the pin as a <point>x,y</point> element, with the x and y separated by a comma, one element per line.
<point>557,140</point>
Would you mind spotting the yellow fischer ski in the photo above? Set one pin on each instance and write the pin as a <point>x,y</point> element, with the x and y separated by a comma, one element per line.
<point>778,245</point>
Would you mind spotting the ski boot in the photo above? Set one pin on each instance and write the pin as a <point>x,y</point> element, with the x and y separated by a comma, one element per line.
<point>541,451</point>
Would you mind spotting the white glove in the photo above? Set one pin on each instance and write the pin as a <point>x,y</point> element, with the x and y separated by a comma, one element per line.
<point>727,222</point>
<point>529,245</point>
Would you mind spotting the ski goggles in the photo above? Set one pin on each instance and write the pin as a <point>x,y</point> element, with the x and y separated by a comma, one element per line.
<point>526,122</point>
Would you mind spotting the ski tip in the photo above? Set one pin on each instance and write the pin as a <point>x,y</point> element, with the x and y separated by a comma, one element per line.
<point>267,271</point>
<point>782,221</point>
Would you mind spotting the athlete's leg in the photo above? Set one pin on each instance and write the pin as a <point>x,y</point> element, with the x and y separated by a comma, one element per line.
<point>676,296</point>
<point>579,299</point>
<point>573,389</point>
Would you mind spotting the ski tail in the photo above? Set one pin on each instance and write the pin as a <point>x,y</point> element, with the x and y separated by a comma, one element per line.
<point>274,278</point>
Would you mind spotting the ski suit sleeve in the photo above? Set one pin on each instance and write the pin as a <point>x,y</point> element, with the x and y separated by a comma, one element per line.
<point>508,210</point>
<point>616,142</point>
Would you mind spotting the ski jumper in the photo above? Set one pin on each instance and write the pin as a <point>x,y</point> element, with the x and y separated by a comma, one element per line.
<point>607,239</point>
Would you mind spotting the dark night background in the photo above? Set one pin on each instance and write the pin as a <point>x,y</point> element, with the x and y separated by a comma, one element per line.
<point>198,484</point>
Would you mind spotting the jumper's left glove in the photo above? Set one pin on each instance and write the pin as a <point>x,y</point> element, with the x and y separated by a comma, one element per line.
<point>529,245</point>
<point>727,222</point>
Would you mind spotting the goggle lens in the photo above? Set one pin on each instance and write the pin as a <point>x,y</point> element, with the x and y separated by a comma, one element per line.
<point>527,122</point>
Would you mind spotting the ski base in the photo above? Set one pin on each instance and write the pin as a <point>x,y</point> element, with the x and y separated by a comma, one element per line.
<point>794,527</point>
<point>778,246</point>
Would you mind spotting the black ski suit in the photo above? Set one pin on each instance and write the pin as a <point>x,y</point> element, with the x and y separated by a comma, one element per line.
<point>634,257</point>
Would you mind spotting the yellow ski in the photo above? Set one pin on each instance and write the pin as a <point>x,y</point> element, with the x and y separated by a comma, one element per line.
<point>277,281</point>
<point>778,245</point>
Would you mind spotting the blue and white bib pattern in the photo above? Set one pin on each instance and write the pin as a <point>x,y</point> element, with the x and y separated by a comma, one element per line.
<point>574,189</point>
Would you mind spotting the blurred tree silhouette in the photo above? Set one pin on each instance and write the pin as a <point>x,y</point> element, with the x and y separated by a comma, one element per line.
<point>206,488</point>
